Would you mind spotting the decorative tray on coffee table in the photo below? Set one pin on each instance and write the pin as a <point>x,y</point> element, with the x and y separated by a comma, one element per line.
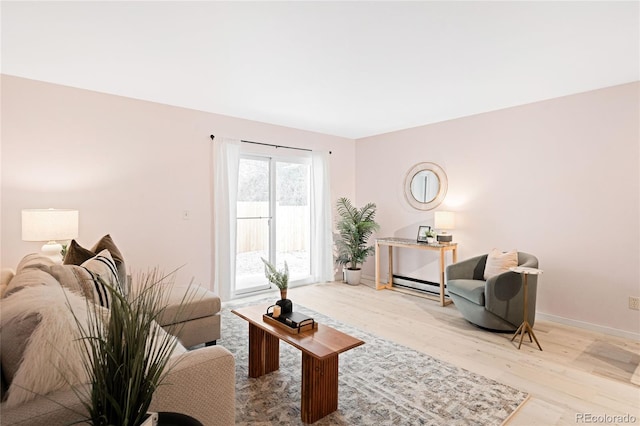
<point>293,322</point>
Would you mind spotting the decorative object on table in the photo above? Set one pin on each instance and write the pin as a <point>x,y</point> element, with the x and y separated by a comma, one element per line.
<point>443,222</point>
<point>423,234</point>
<point>50,226</point>
<point>285,305</point>
<point>279,278</point>
<point>292,322</point>
<point>125,353</point>
<point>525,327</point>
<point>355,227</point>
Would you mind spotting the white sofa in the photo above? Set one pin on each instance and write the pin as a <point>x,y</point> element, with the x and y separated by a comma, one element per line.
<point>201,382</point>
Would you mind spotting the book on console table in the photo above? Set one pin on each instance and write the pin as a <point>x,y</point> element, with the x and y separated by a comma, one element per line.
<point>292,322</point>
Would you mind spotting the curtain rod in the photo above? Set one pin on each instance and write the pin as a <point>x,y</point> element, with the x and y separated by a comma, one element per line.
<point>275,146</point>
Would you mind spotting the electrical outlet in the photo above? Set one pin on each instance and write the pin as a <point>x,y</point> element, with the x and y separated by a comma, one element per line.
<point>634,303</point>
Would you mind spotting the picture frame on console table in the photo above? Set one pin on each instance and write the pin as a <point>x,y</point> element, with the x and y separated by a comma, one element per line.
<point>422,233</point>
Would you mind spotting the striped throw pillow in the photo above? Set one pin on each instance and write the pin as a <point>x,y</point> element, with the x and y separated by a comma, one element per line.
<point>91,278</point>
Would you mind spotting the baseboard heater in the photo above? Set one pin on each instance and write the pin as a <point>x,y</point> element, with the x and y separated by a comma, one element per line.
<point>424,286</point>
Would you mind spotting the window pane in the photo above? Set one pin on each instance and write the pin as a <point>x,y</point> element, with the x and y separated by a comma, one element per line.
<point>253,188</point>
<point>293,220</point>
<point>252,244</point>
<point>252,241</point>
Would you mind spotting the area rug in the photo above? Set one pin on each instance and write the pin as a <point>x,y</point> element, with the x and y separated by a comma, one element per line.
<point>380,383</point>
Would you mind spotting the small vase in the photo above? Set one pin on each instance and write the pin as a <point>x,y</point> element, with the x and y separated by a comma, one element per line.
<point>283,293</point>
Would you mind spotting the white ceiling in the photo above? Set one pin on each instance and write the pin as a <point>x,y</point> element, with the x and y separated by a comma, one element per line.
<point>351,69</point>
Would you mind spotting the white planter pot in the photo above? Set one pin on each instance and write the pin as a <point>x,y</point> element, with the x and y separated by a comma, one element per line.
<point>151,420</point>
<point>353,276</point>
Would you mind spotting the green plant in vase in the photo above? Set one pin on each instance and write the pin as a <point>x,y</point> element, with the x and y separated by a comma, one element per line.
<point>126,354</point>
<point>279,278</point>
<point>355,227</point>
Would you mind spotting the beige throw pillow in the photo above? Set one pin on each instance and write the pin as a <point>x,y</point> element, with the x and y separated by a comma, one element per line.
<point>499,262</point>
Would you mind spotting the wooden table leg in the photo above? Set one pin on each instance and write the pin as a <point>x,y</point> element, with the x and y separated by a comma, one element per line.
<point>377,266</point>
<point>264,352</point>
<point>390,280</point>
<point>442,277</point>
<point>319,387</point>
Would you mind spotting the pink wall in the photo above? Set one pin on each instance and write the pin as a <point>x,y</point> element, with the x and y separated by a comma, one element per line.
<point>131,167</point>
<point>558,179</point>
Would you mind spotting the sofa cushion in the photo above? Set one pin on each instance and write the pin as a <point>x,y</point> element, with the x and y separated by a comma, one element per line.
<point>76,255</point>
<point>91,278</point>
<point>32,270</point>
<point>14,336</point>
<point>34,260</point>
<point>472,290</point>
<point>185,303</point>
<point>6,275</point>
<point>52,357</point>
<point>499,262</point>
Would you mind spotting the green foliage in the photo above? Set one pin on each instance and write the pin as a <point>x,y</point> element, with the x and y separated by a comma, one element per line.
<point>355,227</point>
<point>279,278</point>
<point>126,357</point>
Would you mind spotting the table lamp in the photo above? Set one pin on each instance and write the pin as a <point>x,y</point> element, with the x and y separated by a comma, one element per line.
<point>50,225</point>
<point>442,222</point>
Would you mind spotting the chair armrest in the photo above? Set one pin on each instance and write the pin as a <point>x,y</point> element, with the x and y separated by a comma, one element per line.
<point>504,296</point>
<point>200,384</point>
<point>465,269</point>
<point>511,280</point>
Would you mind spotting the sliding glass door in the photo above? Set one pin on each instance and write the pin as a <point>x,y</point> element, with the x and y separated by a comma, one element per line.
<point>274,220</point>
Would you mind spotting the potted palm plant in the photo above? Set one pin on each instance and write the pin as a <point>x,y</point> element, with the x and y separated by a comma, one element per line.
<point>279,278</point>
<point>355,226</point>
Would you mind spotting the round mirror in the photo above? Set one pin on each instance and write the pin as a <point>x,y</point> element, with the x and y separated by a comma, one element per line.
<point>425,186</point>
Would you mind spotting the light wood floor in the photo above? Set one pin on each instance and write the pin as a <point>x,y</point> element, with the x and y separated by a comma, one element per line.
<point>578,371</point>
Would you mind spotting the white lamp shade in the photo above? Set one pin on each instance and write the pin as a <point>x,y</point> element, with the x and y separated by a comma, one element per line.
<point>49,224</point>
<point>444,220</point>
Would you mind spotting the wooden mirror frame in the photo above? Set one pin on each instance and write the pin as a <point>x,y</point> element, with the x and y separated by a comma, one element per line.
<point>442,190</point>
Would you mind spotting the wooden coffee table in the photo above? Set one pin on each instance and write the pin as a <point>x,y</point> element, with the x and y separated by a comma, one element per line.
<point>320,349</point>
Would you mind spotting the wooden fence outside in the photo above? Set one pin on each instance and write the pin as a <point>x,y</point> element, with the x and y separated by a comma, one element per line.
<point>292,231</point>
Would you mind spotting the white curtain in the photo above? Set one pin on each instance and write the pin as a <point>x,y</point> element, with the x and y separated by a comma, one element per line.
<point>226,161</point>
<point>322,263</point>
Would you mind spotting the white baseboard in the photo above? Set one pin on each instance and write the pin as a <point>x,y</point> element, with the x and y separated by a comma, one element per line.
<point>371,282</point>
<point>589,326</point>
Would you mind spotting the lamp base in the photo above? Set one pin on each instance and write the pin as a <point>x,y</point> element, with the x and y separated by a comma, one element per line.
<point>445,238</point>
<point>52,250</point>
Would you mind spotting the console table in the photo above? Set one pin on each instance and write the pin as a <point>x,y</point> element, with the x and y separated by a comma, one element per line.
<point>413,244</point>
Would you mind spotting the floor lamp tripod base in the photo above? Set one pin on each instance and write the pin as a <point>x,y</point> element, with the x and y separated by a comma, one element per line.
<point>525,328</point>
